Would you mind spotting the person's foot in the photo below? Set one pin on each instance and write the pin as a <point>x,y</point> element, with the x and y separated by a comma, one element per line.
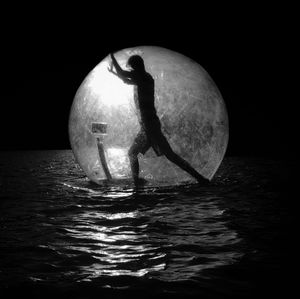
<point>140,182</point>
<point>203,181</point>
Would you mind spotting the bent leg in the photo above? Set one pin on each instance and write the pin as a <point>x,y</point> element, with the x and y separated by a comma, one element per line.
<point>140,145</point>
<point>134,164</point>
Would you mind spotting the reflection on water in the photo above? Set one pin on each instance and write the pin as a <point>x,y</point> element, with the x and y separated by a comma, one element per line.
<point>57,228</point>
<point>163,238</point>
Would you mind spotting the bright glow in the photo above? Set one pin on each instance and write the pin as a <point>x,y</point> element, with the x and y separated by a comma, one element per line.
<point>118,161</point>
<point>111,89</point>
<point>188,103</point>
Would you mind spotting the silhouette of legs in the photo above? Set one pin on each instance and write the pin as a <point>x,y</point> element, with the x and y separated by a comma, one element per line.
<point>164,147</point>
<point>140,145</point>
<point>161,146</point>
<point>184,165</point>
<point>134,164</point>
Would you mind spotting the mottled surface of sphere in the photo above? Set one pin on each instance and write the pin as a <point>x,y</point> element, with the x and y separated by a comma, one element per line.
<point>189,105</point>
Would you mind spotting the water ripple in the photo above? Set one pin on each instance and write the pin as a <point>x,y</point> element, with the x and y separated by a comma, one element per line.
<point>68,229</point>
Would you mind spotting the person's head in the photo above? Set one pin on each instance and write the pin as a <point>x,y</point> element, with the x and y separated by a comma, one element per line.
<point>136,62</point>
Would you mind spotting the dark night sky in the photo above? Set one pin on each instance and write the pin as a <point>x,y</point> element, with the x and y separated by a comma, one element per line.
<point>44,64</point>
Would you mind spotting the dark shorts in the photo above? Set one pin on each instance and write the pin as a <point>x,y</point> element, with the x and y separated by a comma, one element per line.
<point>154,139</point>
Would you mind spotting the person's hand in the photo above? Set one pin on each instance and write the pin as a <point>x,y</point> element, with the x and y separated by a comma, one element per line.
<point>112,56</point>
<point>110,68</point>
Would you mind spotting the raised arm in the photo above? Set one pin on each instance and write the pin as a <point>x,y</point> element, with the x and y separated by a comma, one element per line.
<point>122,74</point>
<point>124,79</point>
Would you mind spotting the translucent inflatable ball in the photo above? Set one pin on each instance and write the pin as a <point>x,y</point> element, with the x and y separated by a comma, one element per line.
<point>103,120</point>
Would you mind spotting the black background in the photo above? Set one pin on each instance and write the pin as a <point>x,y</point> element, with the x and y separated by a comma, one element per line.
<point>246,52</point>
<point>47,53</point>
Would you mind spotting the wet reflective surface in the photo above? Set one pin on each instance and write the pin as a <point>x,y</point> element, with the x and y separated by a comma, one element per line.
<point>61,234</point>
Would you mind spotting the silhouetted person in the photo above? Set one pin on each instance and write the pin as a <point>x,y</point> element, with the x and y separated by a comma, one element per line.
<point>150,134</point>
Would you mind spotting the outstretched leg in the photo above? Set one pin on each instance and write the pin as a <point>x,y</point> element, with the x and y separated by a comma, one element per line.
<point>173,157</point>
<point>160,140</point>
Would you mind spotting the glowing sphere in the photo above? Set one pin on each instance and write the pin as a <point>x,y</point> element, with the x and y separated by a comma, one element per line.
<point>188,103</point>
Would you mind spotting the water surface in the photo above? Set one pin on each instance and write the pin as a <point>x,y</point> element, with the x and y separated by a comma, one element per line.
<point>61,234</point>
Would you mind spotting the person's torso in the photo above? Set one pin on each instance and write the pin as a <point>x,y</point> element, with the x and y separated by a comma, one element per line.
<point>144,99</point>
